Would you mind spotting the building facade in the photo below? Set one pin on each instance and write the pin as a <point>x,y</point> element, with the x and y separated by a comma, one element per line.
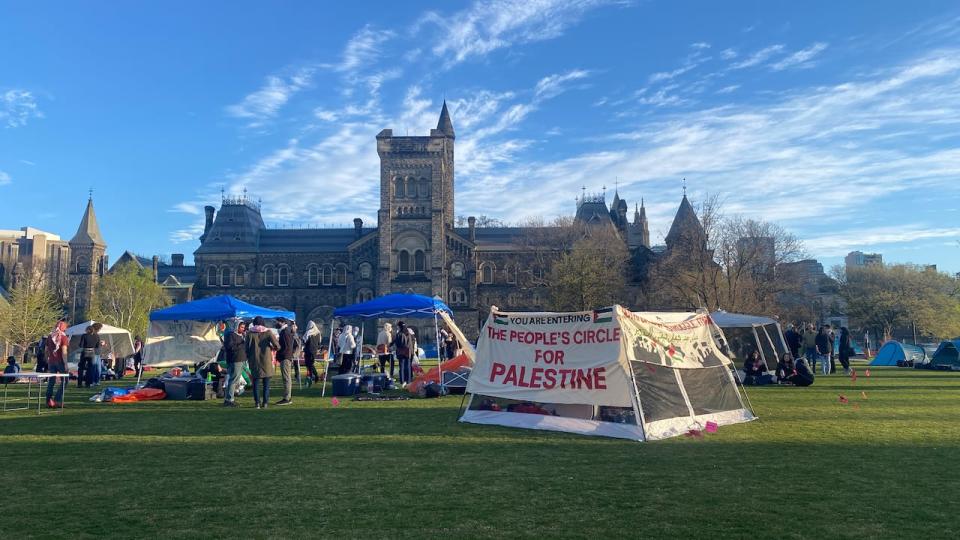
<point>414,248</point>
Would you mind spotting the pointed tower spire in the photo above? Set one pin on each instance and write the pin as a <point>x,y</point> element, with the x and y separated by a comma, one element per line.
<point>445,125</point>
<point>89,231</point>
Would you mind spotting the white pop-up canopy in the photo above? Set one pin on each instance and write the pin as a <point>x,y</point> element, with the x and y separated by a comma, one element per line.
<point>610,372</point>
<point>115,339</point>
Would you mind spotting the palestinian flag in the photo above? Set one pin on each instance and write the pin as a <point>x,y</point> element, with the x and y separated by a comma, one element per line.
<point>603,315</point>
<point>501,319</point>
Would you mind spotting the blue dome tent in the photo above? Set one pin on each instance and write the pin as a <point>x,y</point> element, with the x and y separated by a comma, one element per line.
<point>947,355</point>
<point>894,353</point>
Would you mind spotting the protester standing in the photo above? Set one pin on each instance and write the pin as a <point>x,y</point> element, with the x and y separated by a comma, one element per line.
<point>384,340</point>
<point>138,356</point>
<point>794,341</point>
<point>312,342</point>
<point>845,349</point>
<point>833,340</point>
<point>235,355</point>
<point>56,348</point>
<point>810,345</point>
<point>41,365</point>
<point>403,345</point>
<point>286,356</point>
<point>261,345</point>
<point>347,345</point>
<point>823,345</point>
<point>89,349</point>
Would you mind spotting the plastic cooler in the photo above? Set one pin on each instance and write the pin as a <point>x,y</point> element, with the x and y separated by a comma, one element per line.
<point>379,382</point>
<point>347,384</point>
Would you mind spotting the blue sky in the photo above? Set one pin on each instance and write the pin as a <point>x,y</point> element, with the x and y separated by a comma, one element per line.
<point>840,120</point>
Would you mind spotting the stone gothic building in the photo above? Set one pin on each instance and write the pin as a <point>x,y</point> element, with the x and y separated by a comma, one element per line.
<point>71,269</point>
<point>415,246</point>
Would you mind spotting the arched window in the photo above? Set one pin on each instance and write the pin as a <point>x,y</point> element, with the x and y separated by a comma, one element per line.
<point>313,275</point>
<point>510,271</point>
<point>424,188</point>
<point>457,270</point>
<point>366,270</point>
<point>403,261</point>
<point>269,275</point>
<point>341,274</point>
<point>364,295</point>
<point>419,261</point>
<point>398,187</point>
<point>411,187</point>
<point>486,273</point>
<point>225,276</point>
<point>458,296</point>
<point>283,276</point>
<point>239,276</point>
<point>211,275</point>
<point>327,274</point>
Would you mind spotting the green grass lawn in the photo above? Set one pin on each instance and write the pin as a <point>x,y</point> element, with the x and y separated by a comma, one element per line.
<point>811,467</point>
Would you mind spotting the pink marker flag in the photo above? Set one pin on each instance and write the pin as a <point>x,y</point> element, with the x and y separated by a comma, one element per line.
<point>867,373</point>
<point>711,427</point>
<point>334,402</point>
<point>695,433</point>
<point>853,376</point>
<point>843,399</point>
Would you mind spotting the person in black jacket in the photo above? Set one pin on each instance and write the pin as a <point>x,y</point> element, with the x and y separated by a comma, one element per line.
<point>802,375</point>
<point>288,346</point>
<point>794,340</point>
<point>235,355</point>
<point>824,345</point>
<point>755,371</point>
<point>89,349</point>
<point>845,349</point>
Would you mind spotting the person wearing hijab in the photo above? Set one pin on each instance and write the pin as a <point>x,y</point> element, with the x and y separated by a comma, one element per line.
<point>384,339</point>
<point>312,341</point>
<point>57,343</point>
<point>347,343</point>
<point>261,344</point>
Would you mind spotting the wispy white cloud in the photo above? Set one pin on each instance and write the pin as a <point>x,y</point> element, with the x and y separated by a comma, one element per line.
<point>728,89</point>
<point>758,57</point>
<point>490,25</point>
<point>554,85</point>
<point>264,104</point>
<point>728,54</point>
<point>187,208</point>
<point>363,49</point>
<point>837,244</point>
<point>700,45</point>
<point>802,58</point>
<point>5,178</point>
<point>17,107</point>
<point>27,162</point>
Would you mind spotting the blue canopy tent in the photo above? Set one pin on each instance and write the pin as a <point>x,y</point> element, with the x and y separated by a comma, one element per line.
<point>416,306</point>
<point>186,334</point>
<point>894,353</point>
<point>217,308</point>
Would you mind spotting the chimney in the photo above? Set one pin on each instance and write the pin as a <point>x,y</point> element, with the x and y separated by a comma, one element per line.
<point>176,259</point>
<point>358,227</point>
<point>156,267</point>
<point>208,224</point>
<point>472,223</point>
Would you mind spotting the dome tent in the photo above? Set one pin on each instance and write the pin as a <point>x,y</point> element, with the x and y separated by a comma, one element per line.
<point>894,353</point>
<point>747,333</point>
<point>947,355</point>
<point>609,372</point>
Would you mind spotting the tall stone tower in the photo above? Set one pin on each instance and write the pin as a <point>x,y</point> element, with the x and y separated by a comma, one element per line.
<point>88,263</point>
<point>416,208</point>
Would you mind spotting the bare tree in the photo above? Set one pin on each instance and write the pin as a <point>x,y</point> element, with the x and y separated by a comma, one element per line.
<point>32,311</point>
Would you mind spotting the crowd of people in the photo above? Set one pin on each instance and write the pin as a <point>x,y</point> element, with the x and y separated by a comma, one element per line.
<point>255,346</point>
<point>807,345</point>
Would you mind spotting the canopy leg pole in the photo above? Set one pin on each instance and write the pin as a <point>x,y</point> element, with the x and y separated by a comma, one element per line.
<point>359,351</point>
<point>326,369</point>
<point>436,328</point>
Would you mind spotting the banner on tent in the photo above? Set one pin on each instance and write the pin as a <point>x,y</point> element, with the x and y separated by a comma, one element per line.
<point>553,357</point>
<point>174,343</point>
<point>679,340</point>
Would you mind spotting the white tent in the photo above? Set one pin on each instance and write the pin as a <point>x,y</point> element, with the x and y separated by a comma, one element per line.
<point>747,333</point>
<point>115,339</point>
<point>611,372</point>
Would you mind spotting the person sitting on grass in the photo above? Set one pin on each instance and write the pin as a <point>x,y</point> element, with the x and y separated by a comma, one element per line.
<point>755,371</point>
<point>12,368</point>
<point>802,375</point>
<point>785,368</point>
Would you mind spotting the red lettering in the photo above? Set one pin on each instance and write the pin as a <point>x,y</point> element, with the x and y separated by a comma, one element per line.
<point>520,381</point>
<point>535,375</point>
<point>583,379</point>
<point>497,370</point>
<point>600,378</point>
<point>550,378</point>
<point>511,377</point>
<point>565,338</point>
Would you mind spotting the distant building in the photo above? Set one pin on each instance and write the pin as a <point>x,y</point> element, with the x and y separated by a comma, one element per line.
<point>175,278</point>
<point>28,249</point>
<point>808,272</point>
<point>859,259</point>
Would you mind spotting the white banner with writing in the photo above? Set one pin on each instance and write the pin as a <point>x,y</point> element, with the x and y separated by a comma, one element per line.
<point>177,343</point>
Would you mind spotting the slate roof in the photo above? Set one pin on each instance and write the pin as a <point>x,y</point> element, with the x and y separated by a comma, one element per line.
<point>686,226</point>
<point>497,238</point>
<point>89,231</point>
<point>308,240</point>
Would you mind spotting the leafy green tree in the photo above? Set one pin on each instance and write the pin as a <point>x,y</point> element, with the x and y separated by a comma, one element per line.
<point>592,274</point>
<point>32,311</point>
<point>890,296</point>
<point>126,296</point>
